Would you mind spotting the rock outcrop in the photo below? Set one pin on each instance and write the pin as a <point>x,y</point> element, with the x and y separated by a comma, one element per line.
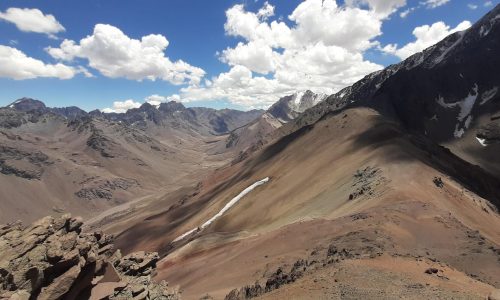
<point>22,163</point>
<point>53,259</point>
<point>104,189</point>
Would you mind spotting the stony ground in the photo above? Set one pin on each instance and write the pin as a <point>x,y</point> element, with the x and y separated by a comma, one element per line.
<point>53,259</point>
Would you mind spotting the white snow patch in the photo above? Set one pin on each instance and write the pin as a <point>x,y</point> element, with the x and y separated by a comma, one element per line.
<point>482,141</point>
<point>298,98</point>
<point>15,102</point>
<point>225,208</point>
<point>468,121</point>
<point>180,237</point>
<point>467,104</point>
<point>300,102</point>
<point>488,95</point>
<point>459,132</point>
<point>441,102</point>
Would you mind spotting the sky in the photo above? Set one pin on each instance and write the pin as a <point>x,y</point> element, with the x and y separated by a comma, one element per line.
<point>114,55</point>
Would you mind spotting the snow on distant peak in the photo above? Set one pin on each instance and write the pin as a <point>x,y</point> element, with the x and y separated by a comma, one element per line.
<point>289,107</point>
<point>304,100</point>
<point>13,104</point>
<point>297,98</point>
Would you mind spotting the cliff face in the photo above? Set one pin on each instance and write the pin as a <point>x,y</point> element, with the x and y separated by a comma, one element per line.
<point>53,259</point>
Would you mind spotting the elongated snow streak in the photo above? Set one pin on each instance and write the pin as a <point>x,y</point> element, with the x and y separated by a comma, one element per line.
<point>225,208</point>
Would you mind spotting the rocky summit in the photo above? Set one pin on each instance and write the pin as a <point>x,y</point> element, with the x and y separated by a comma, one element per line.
<point>53,259</point>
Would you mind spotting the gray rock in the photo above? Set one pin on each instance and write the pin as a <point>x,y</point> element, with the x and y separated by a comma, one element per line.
<point>52,259</point>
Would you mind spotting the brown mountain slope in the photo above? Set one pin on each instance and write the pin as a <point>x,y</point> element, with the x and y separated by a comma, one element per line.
<point>355,183</point>
<point>449,92</point>
<point>50,165</point>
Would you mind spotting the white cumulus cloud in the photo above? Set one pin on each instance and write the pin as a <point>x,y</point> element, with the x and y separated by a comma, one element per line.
<point>256,55</point>
<point>266,11</point>
<point>156,99</point>
<point>15,64</point>
<point>32,20</point>
<point>114,54</point>
<point>322,49</point>
<point>425,36</point>
<point>121,106</point>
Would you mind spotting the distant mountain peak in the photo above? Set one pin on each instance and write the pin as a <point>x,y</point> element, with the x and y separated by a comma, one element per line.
<point>27,104</point>
<point>171,106</point>
<point>289,107</point>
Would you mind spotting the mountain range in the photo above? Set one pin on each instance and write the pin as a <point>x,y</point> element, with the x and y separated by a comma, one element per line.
<point>387,189</point>
<point>79,162</point>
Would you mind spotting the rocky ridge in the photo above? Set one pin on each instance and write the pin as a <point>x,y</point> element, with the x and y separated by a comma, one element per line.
<point>448,93</point>
<point>53,259</point>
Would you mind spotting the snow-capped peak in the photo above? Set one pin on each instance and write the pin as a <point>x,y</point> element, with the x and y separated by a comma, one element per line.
<point>302,100</point>
<point>289,107</point>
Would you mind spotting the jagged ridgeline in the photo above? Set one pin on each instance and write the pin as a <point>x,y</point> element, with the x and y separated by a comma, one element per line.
<point>58,160</point>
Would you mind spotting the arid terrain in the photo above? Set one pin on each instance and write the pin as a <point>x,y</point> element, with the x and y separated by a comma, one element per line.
<point>389,207</point>
<point>88,164</point>
<point>388,189</point>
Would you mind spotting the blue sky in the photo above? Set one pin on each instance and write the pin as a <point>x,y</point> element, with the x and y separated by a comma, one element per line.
<point>197,35</point>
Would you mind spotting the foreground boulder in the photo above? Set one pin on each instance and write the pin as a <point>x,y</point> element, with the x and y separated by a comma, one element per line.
<point>53,259</point>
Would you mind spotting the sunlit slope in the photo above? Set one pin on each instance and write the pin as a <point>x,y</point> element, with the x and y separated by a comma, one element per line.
<point>322,177</point>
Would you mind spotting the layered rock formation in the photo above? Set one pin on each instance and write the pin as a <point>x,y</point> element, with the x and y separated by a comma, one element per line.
<point>53,259</point>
